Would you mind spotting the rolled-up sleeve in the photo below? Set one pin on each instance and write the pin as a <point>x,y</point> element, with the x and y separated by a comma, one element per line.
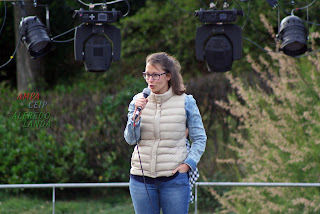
<point>197,133</point>
<point>131,132</point>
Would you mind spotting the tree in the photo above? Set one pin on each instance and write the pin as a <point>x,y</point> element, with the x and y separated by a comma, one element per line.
<point>278,138</point>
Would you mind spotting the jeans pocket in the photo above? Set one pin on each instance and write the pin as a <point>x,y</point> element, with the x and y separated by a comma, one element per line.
<point>181,179</point>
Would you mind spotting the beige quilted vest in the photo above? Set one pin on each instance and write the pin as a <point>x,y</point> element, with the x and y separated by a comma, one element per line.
<point>162,146</point>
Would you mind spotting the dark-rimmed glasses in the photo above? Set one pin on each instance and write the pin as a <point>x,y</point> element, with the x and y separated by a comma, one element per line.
<point>154,76</point>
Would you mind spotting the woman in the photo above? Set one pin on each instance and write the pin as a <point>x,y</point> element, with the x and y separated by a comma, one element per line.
<point>160,162</point>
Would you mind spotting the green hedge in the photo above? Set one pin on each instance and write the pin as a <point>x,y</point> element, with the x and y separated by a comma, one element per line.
<point>84,142</point>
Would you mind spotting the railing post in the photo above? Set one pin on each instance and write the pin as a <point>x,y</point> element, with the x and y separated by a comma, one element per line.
<point>196,198</point>
<point>53,198</point>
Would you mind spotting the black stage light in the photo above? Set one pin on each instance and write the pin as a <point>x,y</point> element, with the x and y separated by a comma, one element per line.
<point>218,43</point>
<point>97,46</point>
<point>35,36</point>
<point>97,43</point>
<point>293,35</point>
<point>219,46</point>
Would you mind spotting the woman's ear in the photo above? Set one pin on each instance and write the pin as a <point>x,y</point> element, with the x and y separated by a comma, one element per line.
<point>168,76</point>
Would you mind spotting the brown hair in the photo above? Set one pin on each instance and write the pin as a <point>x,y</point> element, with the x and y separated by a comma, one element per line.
<point>170,65</point>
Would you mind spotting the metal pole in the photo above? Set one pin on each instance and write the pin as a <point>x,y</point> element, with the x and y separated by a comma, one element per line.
<point>64,185</point>
<point>53,198</point>
<point>196,198</point>
<point>251,184</point>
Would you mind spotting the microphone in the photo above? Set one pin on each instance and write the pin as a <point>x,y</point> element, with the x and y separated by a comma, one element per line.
<point>146,92</point>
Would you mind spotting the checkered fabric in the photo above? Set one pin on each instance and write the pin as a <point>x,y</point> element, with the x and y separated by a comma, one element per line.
<point>193,174</point>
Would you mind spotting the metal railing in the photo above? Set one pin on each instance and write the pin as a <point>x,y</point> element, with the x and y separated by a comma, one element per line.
<point>61,185</point>
<point>126,184</point>
<point>243,184</point>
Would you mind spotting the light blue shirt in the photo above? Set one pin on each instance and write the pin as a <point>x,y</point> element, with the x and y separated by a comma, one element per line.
<point>197,134</point>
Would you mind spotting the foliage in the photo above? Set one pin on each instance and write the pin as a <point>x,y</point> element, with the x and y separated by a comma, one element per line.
<point>278,138</point>
<point>31,155</point>
<point>7,44</point>
<point>83,144</point>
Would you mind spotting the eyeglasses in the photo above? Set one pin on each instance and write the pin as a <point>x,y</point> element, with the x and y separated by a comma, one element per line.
<point>154,76</point>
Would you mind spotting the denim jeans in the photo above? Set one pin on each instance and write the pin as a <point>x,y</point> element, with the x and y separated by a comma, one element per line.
<point>170,195</point>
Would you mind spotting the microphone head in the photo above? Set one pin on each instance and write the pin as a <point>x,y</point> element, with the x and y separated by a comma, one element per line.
<point>146,92</point>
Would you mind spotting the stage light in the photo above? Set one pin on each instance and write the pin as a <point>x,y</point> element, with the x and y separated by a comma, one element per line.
<point>97,46</point>
<point>218,44</point>
<point>293,36</point>
<point>35,36</point>
<point>97,43</point>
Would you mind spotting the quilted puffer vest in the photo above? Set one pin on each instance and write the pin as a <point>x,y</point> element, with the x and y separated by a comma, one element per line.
<point>162,146</point>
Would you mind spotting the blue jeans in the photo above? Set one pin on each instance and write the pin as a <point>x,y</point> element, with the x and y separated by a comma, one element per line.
<point>171,195</point>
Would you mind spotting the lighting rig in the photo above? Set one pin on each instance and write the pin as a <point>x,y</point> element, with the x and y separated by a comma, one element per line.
<point>218,42</point>
<point>293,35</point>
<point>34,34</point>
<point>97,43</point>
<point>292,31</point>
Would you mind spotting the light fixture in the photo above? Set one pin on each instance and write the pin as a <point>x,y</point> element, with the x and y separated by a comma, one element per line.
<point>218,44</point>
<point>35,36</point>
<point>293,35</point>
<point>96,42</point>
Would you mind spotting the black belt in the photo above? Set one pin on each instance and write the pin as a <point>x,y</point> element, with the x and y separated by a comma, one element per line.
<point>150,180</point>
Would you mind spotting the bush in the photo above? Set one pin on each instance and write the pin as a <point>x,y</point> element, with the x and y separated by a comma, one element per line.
<point>84,142</point>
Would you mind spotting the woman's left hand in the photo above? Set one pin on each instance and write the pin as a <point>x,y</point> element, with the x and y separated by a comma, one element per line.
<point>182,168</point>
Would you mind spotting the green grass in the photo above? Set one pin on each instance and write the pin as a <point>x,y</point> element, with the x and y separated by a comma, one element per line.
<point>28,204</point>
<point>117,203</point>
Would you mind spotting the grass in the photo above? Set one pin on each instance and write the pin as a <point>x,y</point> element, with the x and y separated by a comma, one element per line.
<point>110,203</point>
<point>30,204</point>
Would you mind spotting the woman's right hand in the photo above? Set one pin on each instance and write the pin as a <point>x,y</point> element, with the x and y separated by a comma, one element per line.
<point>140,102</point>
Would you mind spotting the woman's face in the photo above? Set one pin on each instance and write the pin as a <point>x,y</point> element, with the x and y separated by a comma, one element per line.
<point>161,85</point>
